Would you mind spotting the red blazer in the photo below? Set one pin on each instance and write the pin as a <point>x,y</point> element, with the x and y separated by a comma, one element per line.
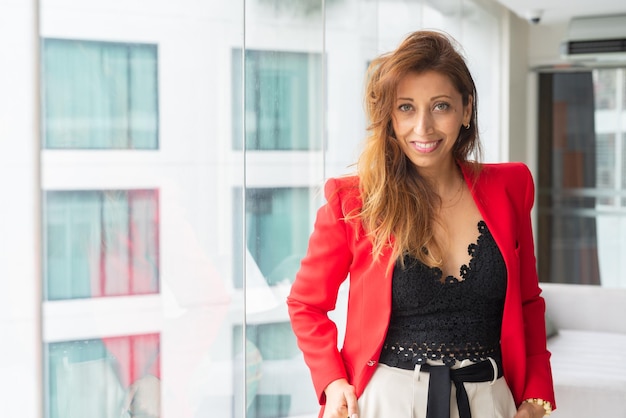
<point>338,249</point>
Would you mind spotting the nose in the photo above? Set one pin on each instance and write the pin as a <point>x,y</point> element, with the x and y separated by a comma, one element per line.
<point>423,123</point>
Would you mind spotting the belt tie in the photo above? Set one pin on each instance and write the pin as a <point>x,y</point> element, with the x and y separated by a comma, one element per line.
<point>439,386</point>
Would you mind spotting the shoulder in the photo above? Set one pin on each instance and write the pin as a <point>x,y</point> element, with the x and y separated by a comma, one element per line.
<point>341,187</point>
<point>514,169</point>
<point>514,179</point>
<point>344,192</point>
<point>514,174</point>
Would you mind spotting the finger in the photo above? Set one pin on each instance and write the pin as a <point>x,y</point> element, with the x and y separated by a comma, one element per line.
<point>353,410</point>
<point>353,406</point>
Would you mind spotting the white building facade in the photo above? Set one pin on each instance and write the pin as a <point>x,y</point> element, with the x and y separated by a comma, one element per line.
<point>169,168</point>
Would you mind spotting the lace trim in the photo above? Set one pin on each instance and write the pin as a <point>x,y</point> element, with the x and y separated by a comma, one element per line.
<point>393,354</point>
<point>465,269</point>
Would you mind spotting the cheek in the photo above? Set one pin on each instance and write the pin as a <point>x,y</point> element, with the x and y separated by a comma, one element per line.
<point>404,146</point>
<point>400,127</point>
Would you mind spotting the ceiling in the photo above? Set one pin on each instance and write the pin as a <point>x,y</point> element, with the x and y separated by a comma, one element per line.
<point>561,11</point>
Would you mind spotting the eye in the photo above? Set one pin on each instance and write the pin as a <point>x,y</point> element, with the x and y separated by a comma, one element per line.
<point>405,107</point>
<point>441,106</point>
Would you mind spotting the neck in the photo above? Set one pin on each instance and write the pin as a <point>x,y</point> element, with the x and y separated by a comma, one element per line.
<point>446,180</point>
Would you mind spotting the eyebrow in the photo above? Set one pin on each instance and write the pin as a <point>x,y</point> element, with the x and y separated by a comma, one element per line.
<point>432,98</point>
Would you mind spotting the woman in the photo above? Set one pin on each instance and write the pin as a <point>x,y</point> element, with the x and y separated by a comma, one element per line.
<point>445,316</point>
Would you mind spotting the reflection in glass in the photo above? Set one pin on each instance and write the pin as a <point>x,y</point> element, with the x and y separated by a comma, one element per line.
<point>103,378</point>
<point>263,108</point>
<point>271,391</point>
<point>281,100</point>
<point>101,243</point>
<point>277,231</point>
<point>99,95</point>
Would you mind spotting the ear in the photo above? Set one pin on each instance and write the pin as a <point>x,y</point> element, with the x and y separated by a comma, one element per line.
<point>467,110</point>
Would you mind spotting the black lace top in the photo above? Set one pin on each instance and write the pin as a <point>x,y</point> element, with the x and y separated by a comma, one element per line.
<point>452,319</point>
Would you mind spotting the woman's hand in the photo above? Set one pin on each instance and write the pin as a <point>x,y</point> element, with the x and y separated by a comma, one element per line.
<point>530,410</point>
<point>340,400</point>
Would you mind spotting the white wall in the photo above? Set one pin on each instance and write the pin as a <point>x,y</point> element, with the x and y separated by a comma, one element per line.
<point>544,44</point>
<point>20,350</point>
<point>515,88</point>
<point>529,47</point>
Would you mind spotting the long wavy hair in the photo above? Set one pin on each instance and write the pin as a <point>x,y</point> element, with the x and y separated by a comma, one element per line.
<point>400,206</point>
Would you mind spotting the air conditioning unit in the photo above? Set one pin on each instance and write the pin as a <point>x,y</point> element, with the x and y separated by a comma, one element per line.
<point>596,38</point>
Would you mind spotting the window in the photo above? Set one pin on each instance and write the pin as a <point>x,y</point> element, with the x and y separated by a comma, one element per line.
<point>282,100</point>
<point>278,225</point>
<point>99,95</point>
<point>267,122</point>
<point>582,177</point>
<point>101,243</point>
<point>269,348</point>
<point>605,173</point>
<point>91,378</point>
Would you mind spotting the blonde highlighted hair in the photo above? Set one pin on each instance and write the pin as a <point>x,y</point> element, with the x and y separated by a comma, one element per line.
<point>399,205</point>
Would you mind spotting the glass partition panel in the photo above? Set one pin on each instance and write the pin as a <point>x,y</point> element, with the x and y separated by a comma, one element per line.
<point>305,62</point>
<point>141,307</point>
<point>282,100</point>
<point>185,146</point>
<point>283,66</point>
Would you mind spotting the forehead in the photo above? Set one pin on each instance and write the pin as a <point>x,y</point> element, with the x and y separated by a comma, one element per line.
<point>428,82</point>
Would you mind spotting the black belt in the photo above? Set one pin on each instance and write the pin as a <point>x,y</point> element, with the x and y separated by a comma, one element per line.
<point>439,386</point>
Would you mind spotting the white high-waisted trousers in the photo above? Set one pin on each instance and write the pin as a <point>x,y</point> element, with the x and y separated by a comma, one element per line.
<point>399,393</point>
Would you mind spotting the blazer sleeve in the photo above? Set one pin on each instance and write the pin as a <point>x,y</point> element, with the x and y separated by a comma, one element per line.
<point>314,291</point>
<point>539,382</point>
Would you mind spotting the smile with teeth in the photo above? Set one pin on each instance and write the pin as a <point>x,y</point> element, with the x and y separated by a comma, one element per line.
<point>426,146</point>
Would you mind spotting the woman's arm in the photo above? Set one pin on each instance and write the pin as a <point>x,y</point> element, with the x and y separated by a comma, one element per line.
<point>538,371</point>
<point>314,292</point>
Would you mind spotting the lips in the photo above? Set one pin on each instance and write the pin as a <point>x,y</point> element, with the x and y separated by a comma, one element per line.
<point>426,146</point>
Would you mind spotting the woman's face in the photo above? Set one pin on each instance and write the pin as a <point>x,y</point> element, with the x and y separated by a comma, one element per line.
<point>427,116</point>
